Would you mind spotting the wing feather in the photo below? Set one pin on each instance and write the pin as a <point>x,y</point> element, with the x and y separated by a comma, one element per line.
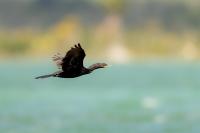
<point>58,60</point>
<point>73,60</point>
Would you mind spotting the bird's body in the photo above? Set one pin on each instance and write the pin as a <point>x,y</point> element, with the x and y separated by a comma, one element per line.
<point>72,74</point>
<point>71,65</point>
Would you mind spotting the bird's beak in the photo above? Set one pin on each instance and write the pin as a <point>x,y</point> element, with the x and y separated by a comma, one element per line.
<point>107,66</point>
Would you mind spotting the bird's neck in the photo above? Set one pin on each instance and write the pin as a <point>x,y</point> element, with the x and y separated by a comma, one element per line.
<point>96,66</point>
<point>85,71</point>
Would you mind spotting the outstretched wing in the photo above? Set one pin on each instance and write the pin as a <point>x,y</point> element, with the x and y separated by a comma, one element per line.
<point>73,61</point>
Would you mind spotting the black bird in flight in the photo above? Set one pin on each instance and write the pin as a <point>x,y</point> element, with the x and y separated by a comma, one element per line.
<point>71,65</point>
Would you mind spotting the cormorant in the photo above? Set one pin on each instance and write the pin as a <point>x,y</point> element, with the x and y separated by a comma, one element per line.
<point>71,65</point>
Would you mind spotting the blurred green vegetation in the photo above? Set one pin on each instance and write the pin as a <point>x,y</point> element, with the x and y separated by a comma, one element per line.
<point>13,46</point>
<point>143,28</point>
<point>151,41</point>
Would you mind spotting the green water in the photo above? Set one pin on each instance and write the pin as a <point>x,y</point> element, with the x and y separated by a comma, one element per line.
<point>136,98</point>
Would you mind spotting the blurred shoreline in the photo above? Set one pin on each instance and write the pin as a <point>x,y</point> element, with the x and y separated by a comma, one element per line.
<point>120,31</point>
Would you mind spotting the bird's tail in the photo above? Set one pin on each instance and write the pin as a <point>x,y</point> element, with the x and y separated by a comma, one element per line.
<point>45,76</point>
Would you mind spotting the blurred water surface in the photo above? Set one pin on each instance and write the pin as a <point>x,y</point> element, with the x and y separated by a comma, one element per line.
<point>151,97</point>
